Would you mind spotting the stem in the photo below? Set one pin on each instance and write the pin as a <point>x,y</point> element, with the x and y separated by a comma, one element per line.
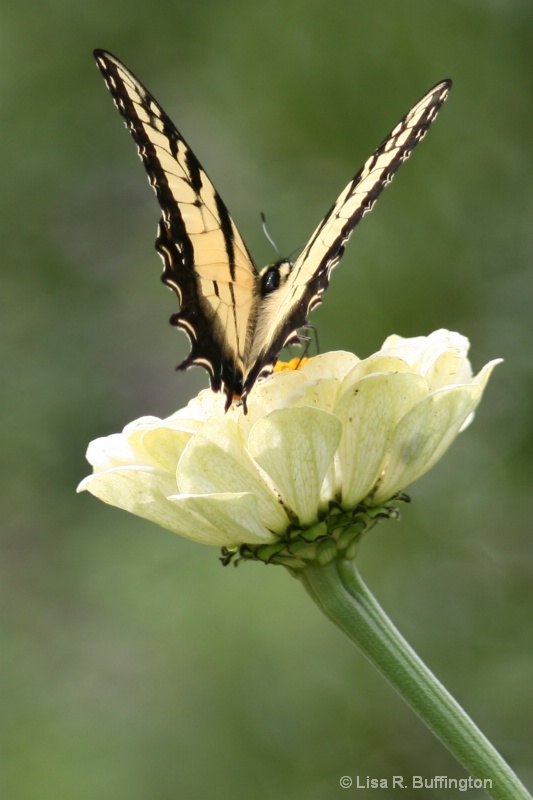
<point>340,593</point>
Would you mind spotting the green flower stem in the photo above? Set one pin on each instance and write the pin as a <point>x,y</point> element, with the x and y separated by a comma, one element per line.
<point>343,597</point>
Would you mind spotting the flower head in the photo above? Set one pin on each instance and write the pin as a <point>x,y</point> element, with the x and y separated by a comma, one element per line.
<point>323,449</point>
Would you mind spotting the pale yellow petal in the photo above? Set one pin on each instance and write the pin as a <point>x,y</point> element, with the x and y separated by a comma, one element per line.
<point>369,411</point>
<point>421,352</point>
<point>201,407</point>
<point>320,394</point>
<point>336,364</point>
<point>481,380</point>
<point>484,374</point>
<point>216,461</point>
<point>449,367</point>
<point>165,444</point>
<point>194,526</point>
<point>295,447</point>
<point>275,392</point>
<point>423,436</point>
<point>225,519</point>
<point>141,490</point>
<point>377,363</point>
<point>110,451</point>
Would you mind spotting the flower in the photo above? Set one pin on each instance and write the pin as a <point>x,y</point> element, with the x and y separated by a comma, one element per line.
<point>322,448</point>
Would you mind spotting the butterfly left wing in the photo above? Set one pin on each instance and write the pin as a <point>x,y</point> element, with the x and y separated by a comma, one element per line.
<point>302,285</point>
<point>206,261</point>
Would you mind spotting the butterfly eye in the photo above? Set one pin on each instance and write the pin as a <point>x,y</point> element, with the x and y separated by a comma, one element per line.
<point>270,280</point>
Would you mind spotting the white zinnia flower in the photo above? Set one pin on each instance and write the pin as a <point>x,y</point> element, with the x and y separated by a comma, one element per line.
<point>321,448</point>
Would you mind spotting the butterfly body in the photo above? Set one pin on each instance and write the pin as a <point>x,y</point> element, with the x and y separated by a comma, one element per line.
<point>239,319</point>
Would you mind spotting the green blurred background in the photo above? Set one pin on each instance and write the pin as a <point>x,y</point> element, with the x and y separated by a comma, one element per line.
<point>134,665</point>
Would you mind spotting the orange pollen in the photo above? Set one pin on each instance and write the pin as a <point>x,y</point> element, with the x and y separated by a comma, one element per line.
<point>294,363</point>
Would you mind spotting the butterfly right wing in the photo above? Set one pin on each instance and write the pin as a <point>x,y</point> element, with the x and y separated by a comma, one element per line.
<point>206,261</point>
<point>301,286</point>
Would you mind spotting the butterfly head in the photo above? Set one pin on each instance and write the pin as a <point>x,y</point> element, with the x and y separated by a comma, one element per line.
<point>274,275</point>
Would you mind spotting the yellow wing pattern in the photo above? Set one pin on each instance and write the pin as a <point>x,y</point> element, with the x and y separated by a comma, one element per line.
<point>206,261</point>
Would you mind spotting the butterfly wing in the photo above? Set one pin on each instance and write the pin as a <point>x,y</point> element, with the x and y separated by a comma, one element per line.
<point>301,287</point>
<point>206,261</point>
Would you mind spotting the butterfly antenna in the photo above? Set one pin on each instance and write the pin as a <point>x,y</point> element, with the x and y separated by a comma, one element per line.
<point>268,236</point>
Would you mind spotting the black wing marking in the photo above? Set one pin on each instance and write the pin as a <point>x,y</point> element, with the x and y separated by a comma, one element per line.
<point>302,286</point>
<point>206,261</point>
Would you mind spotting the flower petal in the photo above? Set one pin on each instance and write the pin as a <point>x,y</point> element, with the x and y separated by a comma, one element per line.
<point>421,352</point>
<point>329,365</point>
<point>120,449</point>
<point>295,447</point>
<point>276,392</point>
<point>201,407</point>
<point>315,384</point>
<point>449,367</point>
<point>481,380</point>
<point>377,363</point>
<point>424,434</point>
<point>215,461</point>
<point>228,519</point>
<point>141,490</point>
<point>110,451</point>
<point>484,374</point>
<point>369,410</point>
<point>165,443</point>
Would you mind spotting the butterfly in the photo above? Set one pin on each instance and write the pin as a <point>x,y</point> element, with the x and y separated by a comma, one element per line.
<point>237,318</point>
